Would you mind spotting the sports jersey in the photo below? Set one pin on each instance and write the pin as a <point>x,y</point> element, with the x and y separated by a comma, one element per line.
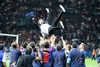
<point>47,57</point>
<point>2,57</point>
<point>36,63</point>
<point>74,58</point>
<point>83,55</point>
<point>59,58</point>
<point>14,55</point>
<point>98,60</point>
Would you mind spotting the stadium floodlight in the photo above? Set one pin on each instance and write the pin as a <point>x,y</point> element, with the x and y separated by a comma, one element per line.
<point>11,35</point>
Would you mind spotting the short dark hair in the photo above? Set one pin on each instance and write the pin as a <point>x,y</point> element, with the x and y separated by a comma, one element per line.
<point>74,45</point>
<point>28,50</point>
<point>1,47</point>
<point>24,45</point>
<point>32,44</point>
<point>46,44</point>
<point>14,45</point>
<point>69,47</point>
<point>59,46</point>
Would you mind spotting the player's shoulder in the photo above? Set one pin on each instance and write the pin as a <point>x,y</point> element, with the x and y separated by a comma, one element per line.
<point>82,52</point>
<point>98,59</point>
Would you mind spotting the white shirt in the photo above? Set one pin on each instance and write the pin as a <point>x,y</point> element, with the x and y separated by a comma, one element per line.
<point>44,29</point>
<point>4,58</point>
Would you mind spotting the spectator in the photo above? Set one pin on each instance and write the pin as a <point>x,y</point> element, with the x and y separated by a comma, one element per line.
<point>37,54</point>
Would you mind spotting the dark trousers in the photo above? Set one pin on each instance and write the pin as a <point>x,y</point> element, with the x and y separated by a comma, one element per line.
<point>54,28</point>
<point>93,57</point>
<point>55,22</point>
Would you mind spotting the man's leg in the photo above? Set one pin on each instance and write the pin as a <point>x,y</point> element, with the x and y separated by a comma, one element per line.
<point>48,16</point>
<point>55,22</point>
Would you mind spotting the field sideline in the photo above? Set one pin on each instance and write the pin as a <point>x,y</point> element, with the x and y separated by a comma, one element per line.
<point>89,63</point>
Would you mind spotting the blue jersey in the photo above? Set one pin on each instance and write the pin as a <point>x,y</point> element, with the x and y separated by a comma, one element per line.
<point>83,55</point>
<point>14,55</point>
<point>74,58</point>
<point>1,57</point>
<point>47,57</point>
<point>59,58</point>
<point>36,63</point>
<point>98,60</point>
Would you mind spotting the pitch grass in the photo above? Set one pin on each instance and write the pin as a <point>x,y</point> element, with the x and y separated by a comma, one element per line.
<point>89,63</point>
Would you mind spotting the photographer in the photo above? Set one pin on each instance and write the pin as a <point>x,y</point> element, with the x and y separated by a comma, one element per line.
<point>36,53</point>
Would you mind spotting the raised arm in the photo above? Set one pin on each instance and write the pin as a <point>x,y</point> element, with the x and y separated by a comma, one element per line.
<point>39,54</point>
<point>64,42</point>
<point>52,39</point>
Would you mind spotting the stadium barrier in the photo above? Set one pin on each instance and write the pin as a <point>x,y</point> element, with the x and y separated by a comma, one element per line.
<point>88,54</point>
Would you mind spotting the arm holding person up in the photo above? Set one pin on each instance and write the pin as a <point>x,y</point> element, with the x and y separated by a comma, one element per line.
<point>39,57</point>
<point>64,42</point>
<point>52,40</point>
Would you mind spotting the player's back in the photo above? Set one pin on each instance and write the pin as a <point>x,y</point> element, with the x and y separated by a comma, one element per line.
<point>75,57</point>
<point>47,57</point>
<point>14,55</point>
<point>83,55</point>
<point>59,58</point>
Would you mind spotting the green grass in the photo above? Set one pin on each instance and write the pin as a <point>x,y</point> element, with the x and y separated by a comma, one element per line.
<point>7,62</point>
<point>89,63</point>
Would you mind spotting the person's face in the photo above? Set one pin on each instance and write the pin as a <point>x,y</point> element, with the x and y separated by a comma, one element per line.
<point>40,21</point>
<point>80,46</point>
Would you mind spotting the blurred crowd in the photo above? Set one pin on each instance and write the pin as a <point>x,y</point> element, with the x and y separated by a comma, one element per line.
<point>13,21</point>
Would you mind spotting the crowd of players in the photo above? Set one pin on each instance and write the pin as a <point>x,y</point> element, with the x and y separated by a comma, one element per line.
<point>49,53</point>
